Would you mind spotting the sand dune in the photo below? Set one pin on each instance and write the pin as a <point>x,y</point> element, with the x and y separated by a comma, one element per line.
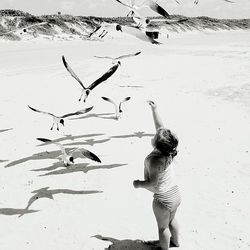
<point>18,25</point>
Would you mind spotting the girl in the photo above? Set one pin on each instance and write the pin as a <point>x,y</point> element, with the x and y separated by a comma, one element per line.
<point>159,179</point>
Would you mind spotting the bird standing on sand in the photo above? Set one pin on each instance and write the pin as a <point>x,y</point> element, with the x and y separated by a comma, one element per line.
<point>68,159</point>
<point>86,90</point>
<point>119,58</point>
<point>60,119</point>
<point>118,108</point>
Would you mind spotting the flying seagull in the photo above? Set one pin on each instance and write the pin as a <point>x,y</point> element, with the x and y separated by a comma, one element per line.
<point>146,4</point>
<point>146,24</point>
<point>139,33</point>
<point>86,90</point>
<point>118,108</point>
<point>60,119</point>
<point>68,159</point>
<point>119,58</point>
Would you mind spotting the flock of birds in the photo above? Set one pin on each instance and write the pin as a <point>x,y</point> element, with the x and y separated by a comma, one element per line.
<point>140,30</point>
<point>67,156</point>
<point>59,120</point>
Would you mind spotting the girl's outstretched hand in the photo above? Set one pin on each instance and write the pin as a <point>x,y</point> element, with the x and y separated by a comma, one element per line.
<point>136,184</point>
<point>152,104</point>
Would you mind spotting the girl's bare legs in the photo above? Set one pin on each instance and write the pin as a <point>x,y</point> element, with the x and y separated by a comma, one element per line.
<point>174,229</point>
<point>162,216</point>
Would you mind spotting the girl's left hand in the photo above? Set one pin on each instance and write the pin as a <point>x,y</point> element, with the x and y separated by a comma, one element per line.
<point>136,184</point>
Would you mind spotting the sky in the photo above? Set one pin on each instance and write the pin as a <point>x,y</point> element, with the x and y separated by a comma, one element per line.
<point>108,8</point>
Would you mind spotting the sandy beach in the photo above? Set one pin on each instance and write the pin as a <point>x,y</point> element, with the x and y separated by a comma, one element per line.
<point>200,82</point>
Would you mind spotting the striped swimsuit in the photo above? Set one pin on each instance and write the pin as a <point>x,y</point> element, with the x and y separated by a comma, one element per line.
<point>165,191</point>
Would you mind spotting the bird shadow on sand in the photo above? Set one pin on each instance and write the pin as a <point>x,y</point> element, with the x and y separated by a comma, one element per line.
<point>138,134</point>
<point>16,211</point>
<point>72,138</point>
<point>90,142</point>
<point>94,115</point>
<point>83,168</point>
<point>38,156</point>
<point>4,130</point>
<point>48,193</point>
<point>127,244</point>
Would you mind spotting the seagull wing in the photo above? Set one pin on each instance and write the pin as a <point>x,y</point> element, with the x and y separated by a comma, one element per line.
<point>39,111</point>
<point>156,7</point>
<point>71,71</point>
<point>80,112</point>
<point>109,100</point>
<point>229,1</point>
<point>90,155</point>
<point>128,6</point>
<point>56,143</point>
<point>124,100</point>
<point>129,55</point>
<point>104,77</point>
<point>81,153</point>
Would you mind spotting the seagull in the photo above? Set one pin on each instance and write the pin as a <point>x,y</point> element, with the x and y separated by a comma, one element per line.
<point>68,159</point>
<point>118,109</point>
<point>119,58</point>
<point>24,29</point>
<point>60,119</point>
<point>149,25</point>
<point>146,4</point>
<point>104,77</point>
<point>137,32</point>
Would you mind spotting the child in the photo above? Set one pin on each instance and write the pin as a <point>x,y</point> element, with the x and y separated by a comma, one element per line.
<point>159,179</point>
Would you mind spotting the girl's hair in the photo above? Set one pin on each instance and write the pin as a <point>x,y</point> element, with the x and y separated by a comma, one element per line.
<point>166,142</point>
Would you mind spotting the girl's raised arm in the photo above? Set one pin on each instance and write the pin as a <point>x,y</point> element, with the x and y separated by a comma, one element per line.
<point>157,120</point>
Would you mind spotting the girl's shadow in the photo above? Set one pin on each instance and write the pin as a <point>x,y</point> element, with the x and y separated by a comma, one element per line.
<point>127,244</point>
